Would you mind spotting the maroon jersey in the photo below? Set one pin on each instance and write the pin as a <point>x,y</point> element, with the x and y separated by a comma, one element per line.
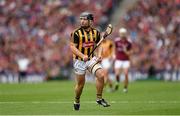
<point>120,45</point>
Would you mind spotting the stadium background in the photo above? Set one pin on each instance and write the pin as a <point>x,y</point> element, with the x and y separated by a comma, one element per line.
<point>34,36</point>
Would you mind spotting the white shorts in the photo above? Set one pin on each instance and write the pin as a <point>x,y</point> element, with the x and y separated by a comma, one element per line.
<point>121,64</point>
<point>106,63</point>
<point>80,67</point>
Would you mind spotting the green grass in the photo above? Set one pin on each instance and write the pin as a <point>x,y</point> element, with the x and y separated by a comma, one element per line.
<point>56,98</point>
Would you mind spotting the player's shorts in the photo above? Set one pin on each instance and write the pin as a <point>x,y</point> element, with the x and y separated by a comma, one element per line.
<point>121,64</point>
<point>92,66</point>
<point>106,63</point>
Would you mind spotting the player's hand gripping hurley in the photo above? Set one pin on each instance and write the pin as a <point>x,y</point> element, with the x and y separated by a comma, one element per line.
<point>108,31</point>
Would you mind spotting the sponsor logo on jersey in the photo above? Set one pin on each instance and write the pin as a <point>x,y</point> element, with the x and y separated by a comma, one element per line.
<point>88,44</point>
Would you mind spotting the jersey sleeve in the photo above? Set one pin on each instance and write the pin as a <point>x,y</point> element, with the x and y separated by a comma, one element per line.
<point>98,37</point>
<point>74,38</point>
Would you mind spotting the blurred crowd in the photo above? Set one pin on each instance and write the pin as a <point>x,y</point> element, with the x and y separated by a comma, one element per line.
<point>154,27</point>
<point>34,34</point>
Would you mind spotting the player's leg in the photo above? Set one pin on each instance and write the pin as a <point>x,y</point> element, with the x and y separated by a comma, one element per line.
<point>117,74</point>
<point>126,81</point>
<point>95,68</point>
<point>80,81</point>
<point>99,73</point>
<point>80,70</point>
<point>105,77</point>
<point>99,83</point>
<point>106,64</point>
<point>107,81</point>
<point>110,83</point>
<point>117,69</point>
<point>126,66</point>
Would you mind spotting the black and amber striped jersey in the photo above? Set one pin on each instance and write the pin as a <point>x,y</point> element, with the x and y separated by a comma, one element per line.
<point>85,40</point>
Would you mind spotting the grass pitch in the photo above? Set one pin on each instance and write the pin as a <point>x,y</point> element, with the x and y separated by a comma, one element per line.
<point>56,98</point>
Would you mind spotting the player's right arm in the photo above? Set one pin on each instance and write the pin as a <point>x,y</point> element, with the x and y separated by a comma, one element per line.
<point>77,52</point>
<point>128,49</point>
<point>73,43</point>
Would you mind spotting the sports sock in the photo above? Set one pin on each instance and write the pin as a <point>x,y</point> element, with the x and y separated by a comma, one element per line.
<point>77,100</point>
<point>99,96</point>
<point>117,78</point>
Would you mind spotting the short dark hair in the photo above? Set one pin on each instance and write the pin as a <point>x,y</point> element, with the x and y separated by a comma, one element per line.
<point>87,15</point>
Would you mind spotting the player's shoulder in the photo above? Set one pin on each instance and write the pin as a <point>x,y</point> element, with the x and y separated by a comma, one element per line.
<point>76,30</point>
<point>95,29</point>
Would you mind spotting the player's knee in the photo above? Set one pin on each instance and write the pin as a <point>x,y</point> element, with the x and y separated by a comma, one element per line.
<point>100,74</point>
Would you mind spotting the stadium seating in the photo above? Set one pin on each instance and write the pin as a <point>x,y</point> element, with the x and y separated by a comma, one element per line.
<point>39,31</point>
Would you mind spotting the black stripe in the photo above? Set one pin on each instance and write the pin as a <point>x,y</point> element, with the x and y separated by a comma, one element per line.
<point>83,40</point>
<point>78,42</point>
<point>97,69</point>
<point>88,52</point>
<point>93,66</point>
<point>93,41</point>
<point>97,37</point>
<point>89,39</point>
<point>93,34</point>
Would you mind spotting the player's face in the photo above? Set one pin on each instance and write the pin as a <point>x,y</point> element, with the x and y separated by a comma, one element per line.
<point>84,22</point>
<point>122,35</point>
